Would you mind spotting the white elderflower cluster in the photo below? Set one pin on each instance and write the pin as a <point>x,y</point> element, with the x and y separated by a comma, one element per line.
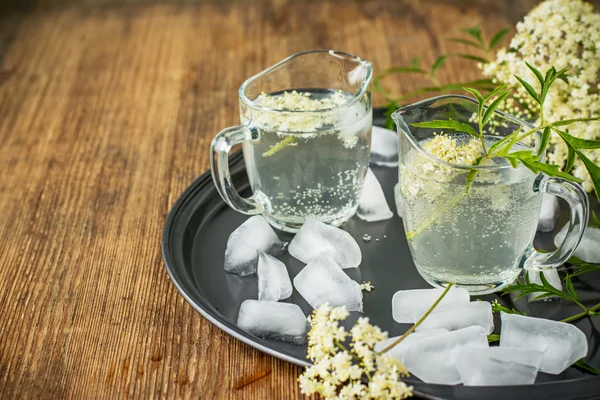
<point>297,101</point>
<point>563,34</point>
<point>354,372</point>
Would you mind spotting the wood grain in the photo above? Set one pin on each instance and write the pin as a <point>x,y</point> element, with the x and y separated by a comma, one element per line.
<point>106,114</point>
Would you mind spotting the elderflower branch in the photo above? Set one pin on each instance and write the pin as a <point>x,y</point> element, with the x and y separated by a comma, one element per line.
<point>419,322</point>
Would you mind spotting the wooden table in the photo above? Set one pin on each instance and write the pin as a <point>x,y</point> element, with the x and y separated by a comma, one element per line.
<point>106,114</point>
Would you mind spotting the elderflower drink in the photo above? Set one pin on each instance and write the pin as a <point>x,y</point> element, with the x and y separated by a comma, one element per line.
<point>306,135</point>
<point>470,214</point>
<point>473,238</point>
<point>309,162</point>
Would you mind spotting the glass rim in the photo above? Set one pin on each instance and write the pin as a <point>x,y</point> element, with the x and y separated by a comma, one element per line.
<point>339,54</point>
<point>398,114</point>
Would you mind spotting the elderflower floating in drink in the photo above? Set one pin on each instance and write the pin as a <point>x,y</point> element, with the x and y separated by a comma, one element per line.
<point>312,156</point>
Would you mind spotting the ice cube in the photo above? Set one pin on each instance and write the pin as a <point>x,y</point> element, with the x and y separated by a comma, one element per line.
<point>398,199</point>
<point>273,320</point>
<point>433,360</point>
<point>409,305</point>
<point>324,281</point>
<point>255,234</point>
<point>497,366</point>
<point>548,213</point>
<point>384,147</point>
<point>400,349</point>
<point>454,317</point>
<point>273,280</point>
<point>316,238</point>
<point>372,205</point>
<point>561,343</point>
<point>551,276</point>
<point>588,249</point>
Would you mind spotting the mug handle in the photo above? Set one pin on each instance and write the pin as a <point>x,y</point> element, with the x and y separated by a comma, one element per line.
<point>578,202</point>
<point>219,167</point>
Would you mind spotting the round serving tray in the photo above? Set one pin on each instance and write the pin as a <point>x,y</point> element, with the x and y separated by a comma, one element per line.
<point>193,245</point>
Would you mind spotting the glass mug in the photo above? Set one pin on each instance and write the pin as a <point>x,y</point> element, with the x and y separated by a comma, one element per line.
<point>482,239</point>
<point>301,164</point>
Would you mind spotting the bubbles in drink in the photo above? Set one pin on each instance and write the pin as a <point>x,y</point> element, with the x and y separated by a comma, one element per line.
<point>475,238</point>
<point>309,165</point>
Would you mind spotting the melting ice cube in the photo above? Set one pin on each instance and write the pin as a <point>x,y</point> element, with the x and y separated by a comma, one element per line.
<point>273,280</point>
<point>409,305</point>
<point>398,199</point>
<point>254,234</point>
<point>400,349</point>
<point>588,249</point>
<point>561,343</point>
<point>273,320</point>
<point>384,147</point>
<point>324,281</point>
<point>497,366</point>
<point>316,238</point>
<point>372,205</point>
<point>548,213</point>
<point>433,360</point>
<point>454,317</point>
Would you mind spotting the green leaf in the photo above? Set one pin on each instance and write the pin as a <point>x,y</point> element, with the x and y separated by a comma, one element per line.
<point>493,337</point>
<point>531,161</point>
<point>475,93</point>
<point>572,121</point>
<point>576,142</point>
<point>551,170</point>
<point>529,89</point>
<point>562,75</point>
<point>537,73</point>
<point>594,171</point>
<point>447,124</point>
<point>465,41</point>
<point>480,101</point>
<point>581,364</point>
<point>570,158</point>
<point>544,141</point>
<point>473,58</point>
<point>472,174</point>
<point>494,92</point>
<point>584,268</point>
<point>500,143</point>
<point>548,81</point>
<point>497,307</point>
<point>595,219</point>
<point>438,63</point>
<point>570,287</point>
<point>492,107</point>
<point>474,32</point>
<point>498,37</point>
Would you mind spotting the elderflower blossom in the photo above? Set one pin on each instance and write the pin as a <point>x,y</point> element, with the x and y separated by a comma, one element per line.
<point>366,286</point>
<point>354,372</point>
<point>563,34</point>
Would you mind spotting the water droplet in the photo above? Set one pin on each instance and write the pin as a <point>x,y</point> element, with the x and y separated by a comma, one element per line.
<point>366,238</point>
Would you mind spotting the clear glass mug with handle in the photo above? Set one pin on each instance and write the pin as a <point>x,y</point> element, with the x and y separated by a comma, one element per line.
<point>481,238</point>
<point>305,136</point>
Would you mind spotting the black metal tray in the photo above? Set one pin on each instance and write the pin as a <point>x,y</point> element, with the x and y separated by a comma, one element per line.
<point>193,245</point>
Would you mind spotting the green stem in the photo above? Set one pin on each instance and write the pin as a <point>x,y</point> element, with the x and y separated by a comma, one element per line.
<point>419,322</point>
<point>588,312</point>
<point>574,317</point>
<point>287,141</point>
<point>411,235</point>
